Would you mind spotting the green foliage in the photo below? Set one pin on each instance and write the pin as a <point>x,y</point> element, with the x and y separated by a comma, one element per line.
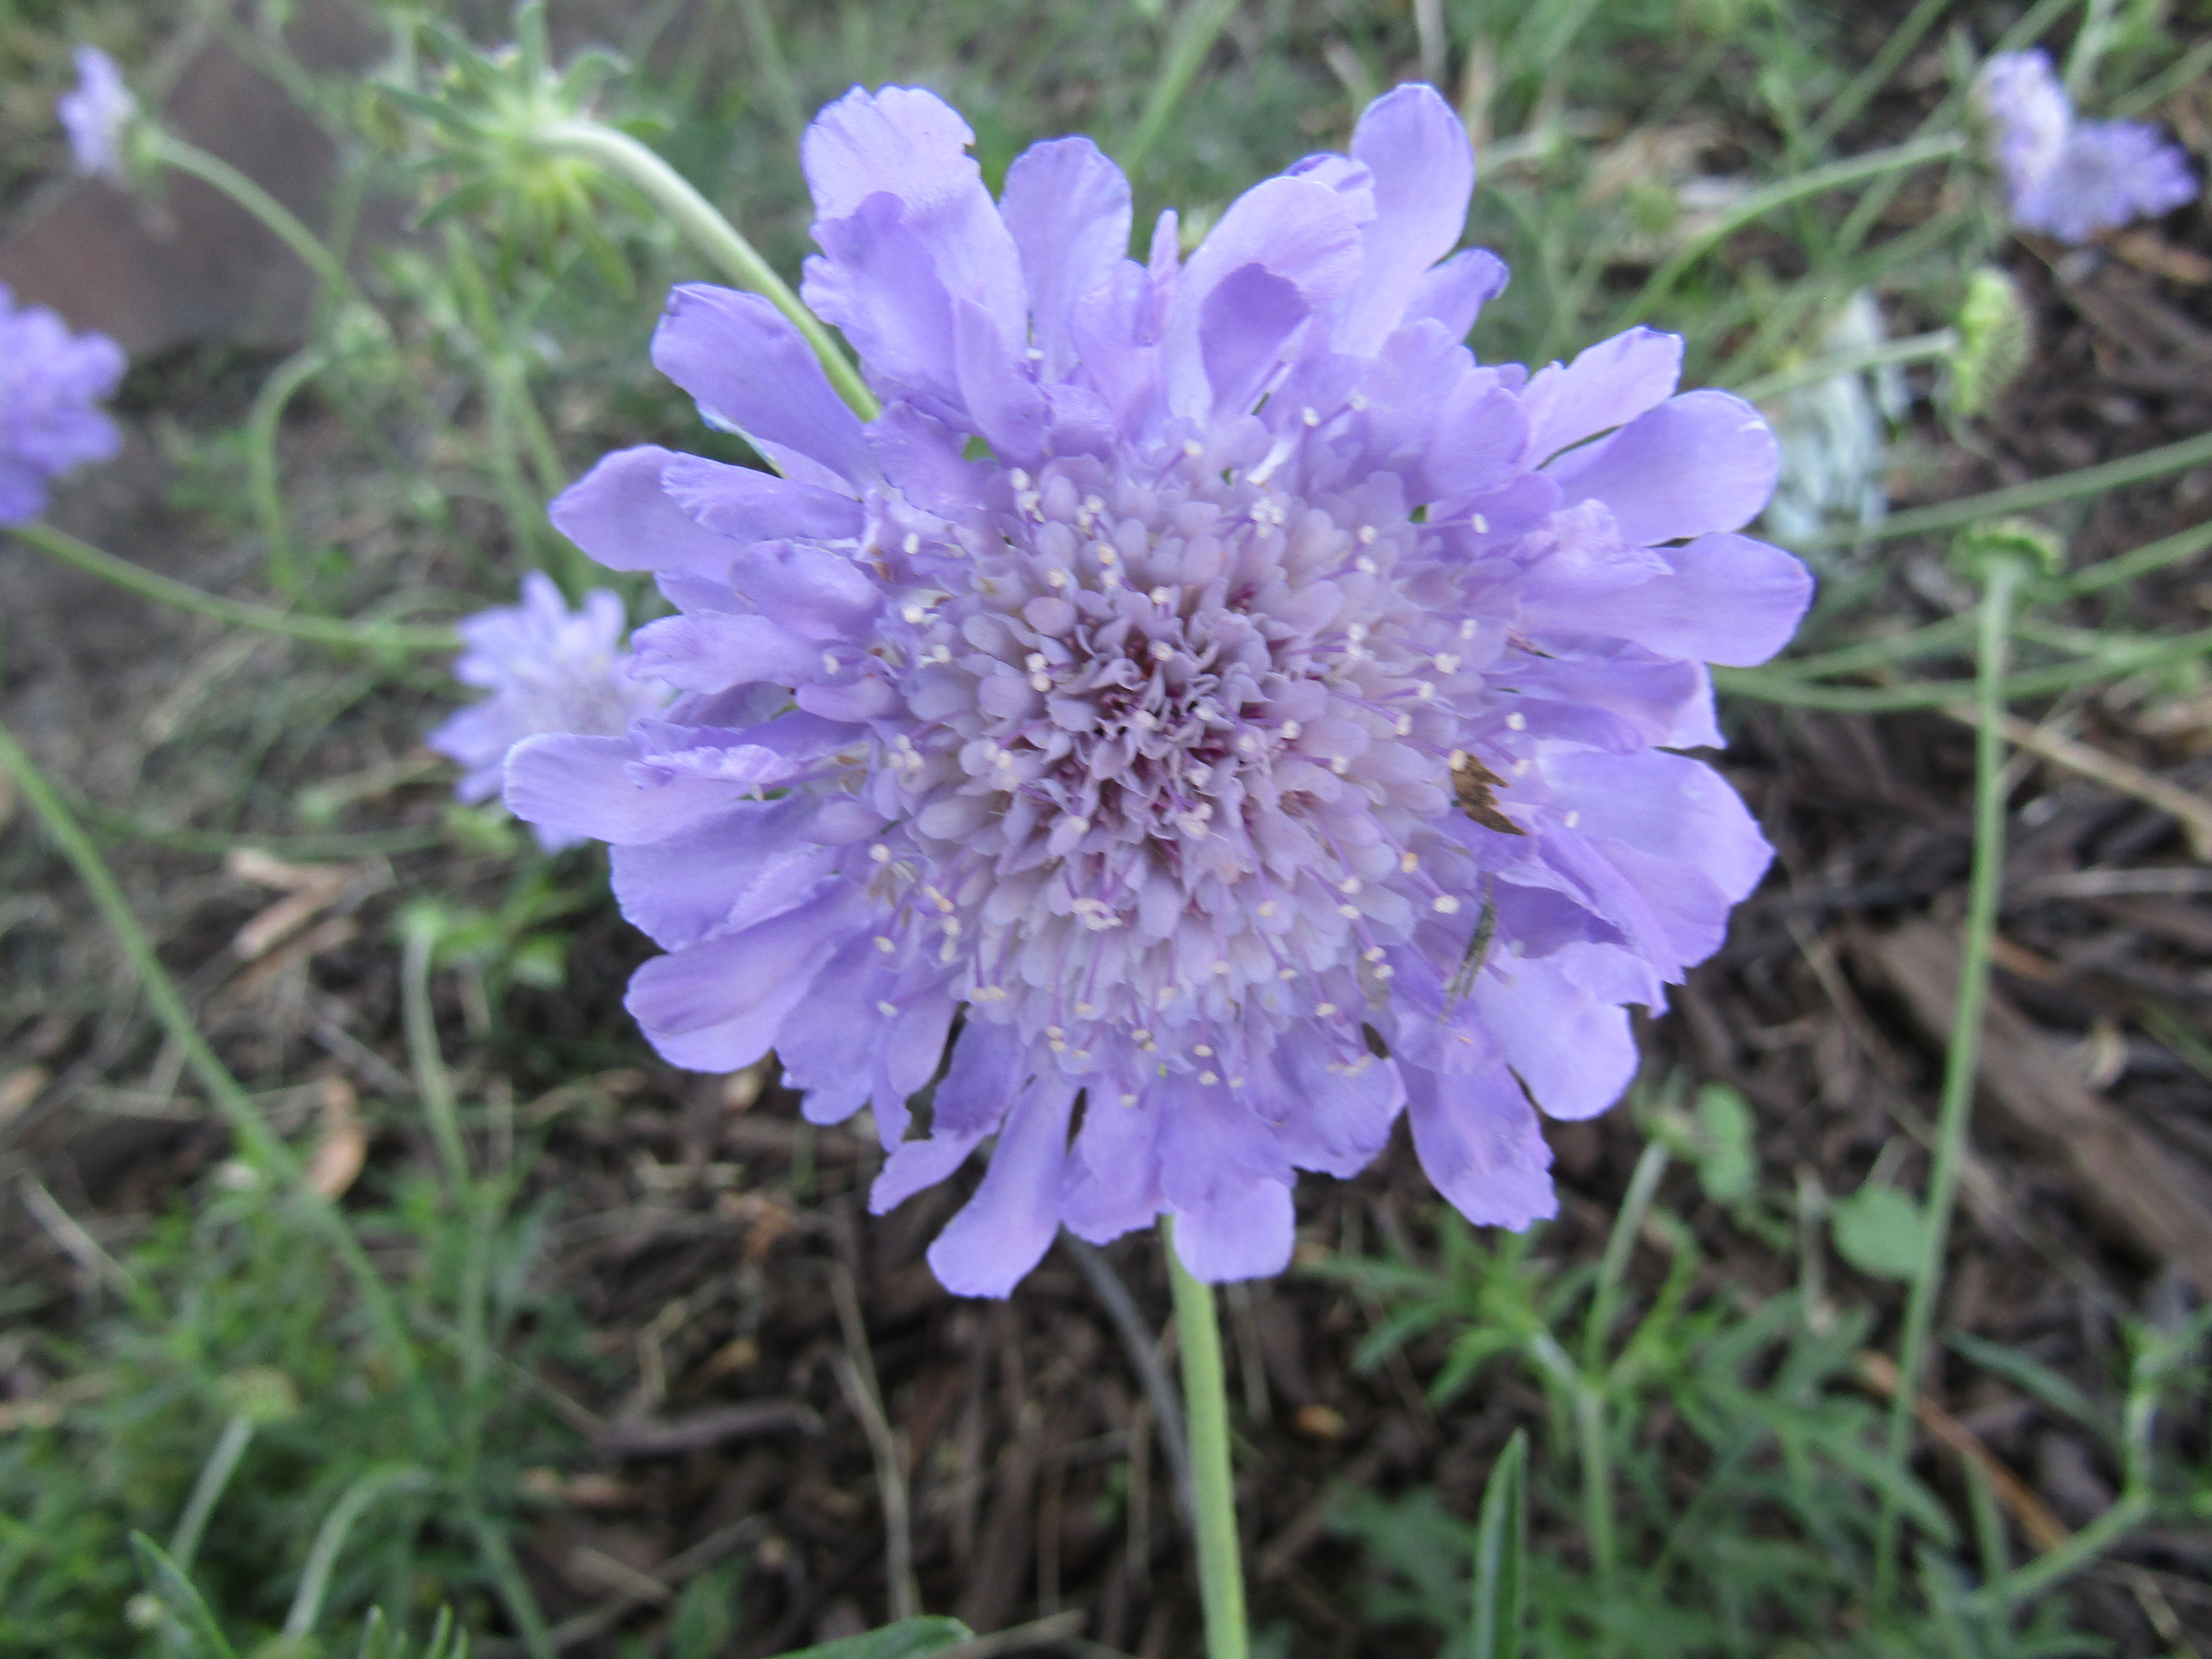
<point>1767,1550</point>
<point>1881,1231</point>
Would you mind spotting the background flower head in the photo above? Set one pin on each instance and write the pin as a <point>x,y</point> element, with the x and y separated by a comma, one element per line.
<point>50,384</point>
<point>97,115</point>
<point>2067,178</point>
<point>549,669</point>
<point>1268,736</point>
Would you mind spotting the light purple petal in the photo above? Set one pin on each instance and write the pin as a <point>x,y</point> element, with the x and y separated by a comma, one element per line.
<point>751,370</point>
<point>749,506</point>
<point>1068,207</point>
<point>1478,1141</point>
<point>1607,385</point>
<point>714,1006</point>
<point>621,514</point>
<point>578,785</point>
<point>1701,462</point>
<point>1454,292</point>
<point>1575,1052</point>
<point>1004,1229</point>
<point>1245,1232</point>
<point>1422,166</point>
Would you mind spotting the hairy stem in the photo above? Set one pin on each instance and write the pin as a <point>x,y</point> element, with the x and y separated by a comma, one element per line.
<point>619,154</point>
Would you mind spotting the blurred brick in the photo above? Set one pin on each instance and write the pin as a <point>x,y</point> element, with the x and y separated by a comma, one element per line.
<point>190,266</point>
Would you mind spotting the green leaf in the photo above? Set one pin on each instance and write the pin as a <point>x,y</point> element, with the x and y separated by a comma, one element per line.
<point>175,1592</point>
<point>1881,1231</point>
<point>909,1638</point>
<point>2032,1378</point>
<point>1728,1161</point>
<point>1501,1550</point>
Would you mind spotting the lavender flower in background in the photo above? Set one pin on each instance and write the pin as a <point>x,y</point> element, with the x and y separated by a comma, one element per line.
<point>50,384</point>
<point>97,115</point>
<point>1281,676</point>
<point>2071,179</point>
<point>549,669</point>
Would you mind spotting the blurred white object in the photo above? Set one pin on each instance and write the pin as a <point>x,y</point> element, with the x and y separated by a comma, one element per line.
<point>1834,433</point>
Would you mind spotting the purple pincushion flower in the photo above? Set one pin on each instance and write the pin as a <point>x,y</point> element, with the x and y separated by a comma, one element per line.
<point>549,670</point>
<point>97,114</point>
<point>2072,179</point>
<point>50,384</point>
<point>1283,687</point>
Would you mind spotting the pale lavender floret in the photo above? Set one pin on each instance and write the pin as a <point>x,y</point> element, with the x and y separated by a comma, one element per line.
<point>549,669</point>
<point>2110,173</point>
<point>2071,179</point>
<point>97,113</point>
<point>1132,745</point>
<point>50,384</point>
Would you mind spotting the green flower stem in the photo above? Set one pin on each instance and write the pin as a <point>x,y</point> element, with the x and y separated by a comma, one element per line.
<point>2021,498</point>
<point>330,1538</point>
<point>323,630</point>
<point>282,223</point>
<point>619,154</point>
<point>1760,203</point>
<point>1213,1491</point>
<point>261,425</point>
<point>1936,694</point>
<point>1916,348</point>
<point>260,1142</point>
<point>2001,585</point>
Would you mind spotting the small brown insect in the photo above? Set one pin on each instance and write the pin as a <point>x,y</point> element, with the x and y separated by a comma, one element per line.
<point>1475,786</point>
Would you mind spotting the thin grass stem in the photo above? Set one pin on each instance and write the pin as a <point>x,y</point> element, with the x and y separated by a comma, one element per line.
<point>1846,105</point>
<point>1196,28</point>
<point>331,1539</point>
<point>322,631</point>
<point>1916,348</point>
<point>207,1492</point>
<point>2002,584</point>
<point>1835,175</point>
<point>1213,1490</point>
<point>1619,1245</point>
<point>1937,694</point>
<point>261,1143</point>
<point>2023,498</point>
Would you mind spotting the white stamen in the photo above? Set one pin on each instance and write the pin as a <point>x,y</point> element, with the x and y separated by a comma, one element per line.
<point>1409,862</point>
<point>1324,1009</point>
<point>1572,819</point>
<point>880,854</point>
<point>1445,905</point>
<point>1516,722</point>
<point>888,1010</point>
<point>883,943</point>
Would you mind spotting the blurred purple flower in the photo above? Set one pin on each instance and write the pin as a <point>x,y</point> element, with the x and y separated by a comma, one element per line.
<point>549,669</point>
<point>97,114</point>
<point>1283,686</point>
<point>2071,179</point>
<point>51,384</point>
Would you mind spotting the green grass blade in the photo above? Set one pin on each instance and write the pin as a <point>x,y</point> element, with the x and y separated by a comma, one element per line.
<point>1501,1552</point>
<point>168,1585</point>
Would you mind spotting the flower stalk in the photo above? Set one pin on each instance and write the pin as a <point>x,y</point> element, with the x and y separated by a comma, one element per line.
<point>2002,584</point>
<point>322,631</point>
<point>282,222</point>
<point>617,153</point>
<point>1214,1491</point>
